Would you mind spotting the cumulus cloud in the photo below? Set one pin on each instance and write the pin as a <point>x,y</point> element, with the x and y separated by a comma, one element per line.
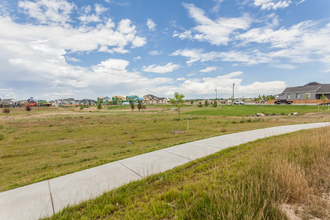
<point>205,86</point>
<point>191,74</point>
<point>303,42</point>
<point>86,17</point>
<point>252,58</point>
<point>151,25</point>
<point>216,32</point>
<point>154,53</point>
<point>208,69</point>
<point>272,4</point>
<point>137,58</point>
<point>45,11</point>
<point>170,67</point>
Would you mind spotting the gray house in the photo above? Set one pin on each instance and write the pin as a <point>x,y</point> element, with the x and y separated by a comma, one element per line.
<point>311,90</point>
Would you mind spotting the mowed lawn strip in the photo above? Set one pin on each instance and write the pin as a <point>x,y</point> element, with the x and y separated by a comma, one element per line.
<point>251,181</point>
<point>248,110</point>
<point>39,147</point>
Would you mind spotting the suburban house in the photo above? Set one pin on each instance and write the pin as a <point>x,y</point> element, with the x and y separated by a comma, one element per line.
<point>118,100</point>
<point>9,102</point>
<point>103,100</point>
<point>309,93</point>
<point>151,99</point>
<point>69,101</point>
<point>133,99</point>
<point>87,102</point>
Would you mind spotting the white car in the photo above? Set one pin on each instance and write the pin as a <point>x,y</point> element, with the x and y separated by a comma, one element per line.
<point>238,102</point>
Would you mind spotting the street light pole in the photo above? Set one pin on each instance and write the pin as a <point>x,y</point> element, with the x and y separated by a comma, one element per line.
<point>216,94</point>
<point>233,91</point>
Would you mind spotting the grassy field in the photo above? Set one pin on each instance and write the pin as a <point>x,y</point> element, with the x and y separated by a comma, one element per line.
<point>248,110</point>
<point>273,178</point>
<point>50,142</point>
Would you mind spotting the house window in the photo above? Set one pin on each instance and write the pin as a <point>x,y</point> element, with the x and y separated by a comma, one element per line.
<point>307,95</point>
<point>287,96</point>
<point>297,95</point>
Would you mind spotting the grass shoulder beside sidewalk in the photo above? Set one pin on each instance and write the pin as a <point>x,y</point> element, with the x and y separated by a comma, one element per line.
<point>251,181</point>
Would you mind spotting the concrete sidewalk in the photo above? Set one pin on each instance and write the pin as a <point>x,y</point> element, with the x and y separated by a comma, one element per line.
<point>34,201</point>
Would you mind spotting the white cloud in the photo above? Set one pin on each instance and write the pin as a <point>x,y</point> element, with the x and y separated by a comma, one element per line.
<point>151,25</point>
<point>217,5</point>
<point>300,2</point>
<point>180,79</point>
<point>73,59</point>
<point>154,53</point>
<point>283,66</point>
<point>205,87</point>
<point>137,58</point>
<point>303,42</point>
<point>170,67</point>
<point>87,18</point>
<point>191,74</point>
<point>208,69</point>
<point>104,37</point>
<point>272,4</point>
<point>216,32</point>
<point>45,11</point>
<point>252,58</point>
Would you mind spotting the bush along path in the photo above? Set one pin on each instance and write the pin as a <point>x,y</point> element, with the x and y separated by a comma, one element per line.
<point>45,198</point>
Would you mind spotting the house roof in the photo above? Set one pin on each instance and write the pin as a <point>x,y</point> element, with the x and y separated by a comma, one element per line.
<point>316,87</point>
<point>121,97</point>
<point>312,88</point>
<point>325,88</point>
<point>155,97</point>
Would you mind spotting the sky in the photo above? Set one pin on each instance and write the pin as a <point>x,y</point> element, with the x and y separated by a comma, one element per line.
<point>52,49</point>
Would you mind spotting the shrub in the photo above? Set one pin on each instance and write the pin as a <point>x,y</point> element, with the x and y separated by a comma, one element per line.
<point>99,105</point>
<point>81,107</point>
<point>200,104</point>
<point>28,108</point>
<point>2,136</point>
<point>6,111</point>
<point>206,103</point>
<point>132,107</point>
<point>215,103</point>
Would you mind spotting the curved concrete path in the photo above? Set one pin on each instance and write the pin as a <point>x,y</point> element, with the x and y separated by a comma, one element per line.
<point>34,201</point>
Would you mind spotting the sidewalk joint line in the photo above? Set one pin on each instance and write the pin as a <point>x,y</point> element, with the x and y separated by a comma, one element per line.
<point>176,154</point>
<point>130,169</point>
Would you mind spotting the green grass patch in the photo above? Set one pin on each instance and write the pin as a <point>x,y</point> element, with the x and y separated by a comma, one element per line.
<point>250,181</point>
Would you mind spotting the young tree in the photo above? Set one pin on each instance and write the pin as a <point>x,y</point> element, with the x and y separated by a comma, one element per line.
<point>132,107</point>
<point>215,104</point>
<point>269,98</point>
<point>178,102</point>
<point>306,96</point>
<point>243,99</point>
<point>206,103</point>
<point>259,99</point>
<point>232,100</point>
<point>6,111</point>
<point>324,99</point>
<point>139,106</point>
<point>192,102</point>
<point>200,104</point>
<point>81,107</point>
<point>99,105</point>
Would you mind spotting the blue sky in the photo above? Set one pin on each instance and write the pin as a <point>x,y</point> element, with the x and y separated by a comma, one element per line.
<point>84,49</point>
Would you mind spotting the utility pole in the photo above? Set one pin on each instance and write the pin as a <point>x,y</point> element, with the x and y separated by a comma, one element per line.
<point>216,94</point>
<point>233,91</point>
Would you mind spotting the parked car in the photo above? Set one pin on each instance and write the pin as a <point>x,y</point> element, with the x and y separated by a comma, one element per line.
<point>238,102</point>
<point>283,101</point>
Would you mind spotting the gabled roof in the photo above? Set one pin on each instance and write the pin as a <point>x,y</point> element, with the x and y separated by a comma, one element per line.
<point>316,87</point>
<point>325,88</point>
<point>312,88</point>
<point>155,97</point>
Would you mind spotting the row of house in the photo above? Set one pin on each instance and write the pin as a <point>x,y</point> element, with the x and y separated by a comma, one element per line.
<point>20,103</point>
<point>132,99</point>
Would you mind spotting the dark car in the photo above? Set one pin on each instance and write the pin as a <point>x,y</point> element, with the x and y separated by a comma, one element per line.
<point>283,101</point>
